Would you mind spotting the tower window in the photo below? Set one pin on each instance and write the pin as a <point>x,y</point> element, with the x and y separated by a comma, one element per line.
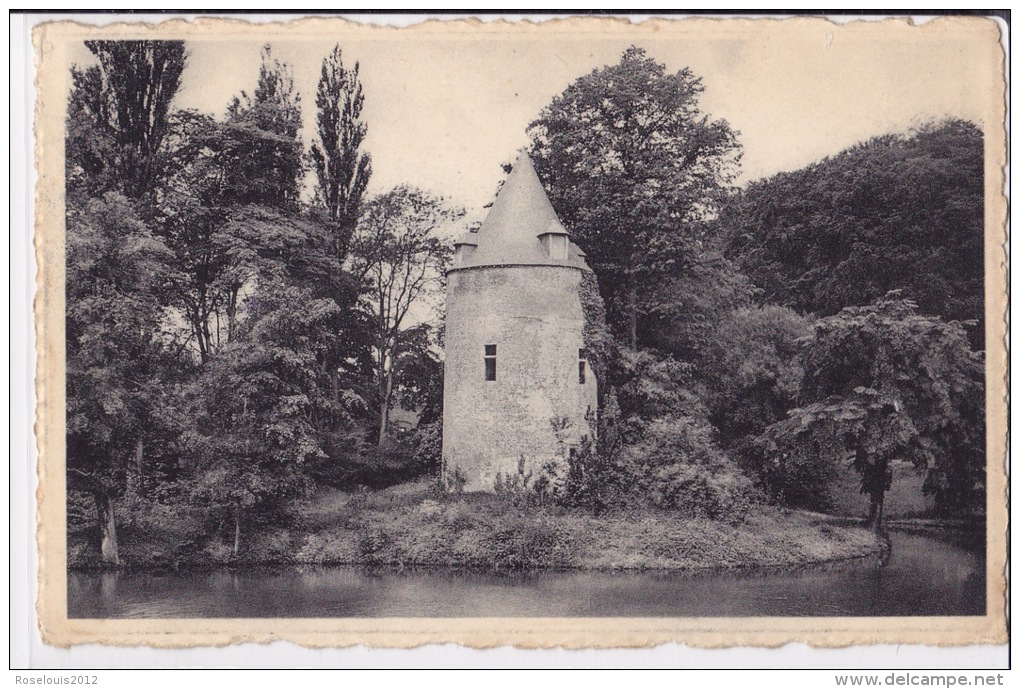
<point>490,362</point>
<point>582,363</point>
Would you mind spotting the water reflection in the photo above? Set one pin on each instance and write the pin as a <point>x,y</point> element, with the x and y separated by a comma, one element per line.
<point>924,576</point>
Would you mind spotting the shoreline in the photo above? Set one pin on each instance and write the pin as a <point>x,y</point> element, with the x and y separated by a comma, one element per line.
<point>415,527</point>
<point>251,565</point>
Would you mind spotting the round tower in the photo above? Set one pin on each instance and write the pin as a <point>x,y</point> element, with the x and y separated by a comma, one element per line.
<point>517,387</point>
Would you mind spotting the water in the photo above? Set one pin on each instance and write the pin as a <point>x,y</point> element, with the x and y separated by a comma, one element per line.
<point>924,575</point>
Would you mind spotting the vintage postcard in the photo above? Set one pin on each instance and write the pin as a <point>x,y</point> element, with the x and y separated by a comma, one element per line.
<point>581,332</point>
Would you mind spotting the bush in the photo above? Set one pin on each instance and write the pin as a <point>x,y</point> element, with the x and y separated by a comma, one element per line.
<point>428,446</point>
<point>375,466</point>
<point>519,490</point>
<point>788,476</point>
<point>519,542</point>
<point>592,478</point>
<point>676,465</point>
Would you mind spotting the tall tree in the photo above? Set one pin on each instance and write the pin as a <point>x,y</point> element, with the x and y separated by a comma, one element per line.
<point>117,353</point>
<point>232,209</point>
<point>341,168</point>
<point>896,212</point>
<point>398,250</point>
<point>884,382</point>
<point>269,165</point>
<point>128,98</point>
<point>266,406</point>
<point>634,169</point>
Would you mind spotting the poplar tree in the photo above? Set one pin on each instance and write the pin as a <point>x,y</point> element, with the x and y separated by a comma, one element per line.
<point>342,169</point>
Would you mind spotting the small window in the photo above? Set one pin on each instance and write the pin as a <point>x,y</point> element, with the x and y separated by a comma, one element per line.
<point>582,363</point>
<point>490,362</point>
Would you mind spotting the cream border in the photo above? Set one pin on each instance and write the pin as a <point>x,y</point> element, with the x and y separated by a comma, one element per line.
<point>50,42</point>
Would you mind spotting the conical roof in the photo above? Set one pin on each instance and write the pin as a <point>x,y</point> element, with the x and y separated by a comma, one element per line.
<point>520,214</point>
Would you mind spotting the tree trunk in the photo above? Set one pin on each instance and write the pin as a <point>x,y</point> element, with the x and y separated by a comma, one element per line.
<point>140,458</point>
<point>237,530</point>
<point>107,529</point>
<point>875,513</point>
<point>384,413</point>
<point>632,297</point>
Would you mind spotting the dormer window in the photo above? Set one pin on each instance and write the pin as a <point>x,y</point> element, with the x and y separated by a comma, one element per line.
<point>462,252</point>
<point>558,247</point>
<point>465,246</point>
<point>556,244</point>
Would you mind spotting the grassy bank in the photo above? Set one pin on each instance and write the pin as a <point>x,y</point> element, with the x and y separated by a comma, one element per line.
<point>414,525</point>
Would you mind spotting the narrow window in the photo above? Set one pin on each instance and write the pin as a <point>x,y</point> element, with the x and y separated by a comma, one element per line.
<point>582,361</point>
<point>490,362</point>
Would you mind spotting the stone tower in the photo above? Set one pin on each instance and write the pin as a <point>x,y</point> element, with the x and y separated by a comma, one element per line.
<point>515,357</point>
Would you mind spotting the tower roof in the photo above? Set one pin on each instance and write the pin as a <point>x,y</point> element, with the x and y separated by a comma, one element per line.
<point>520,214</point>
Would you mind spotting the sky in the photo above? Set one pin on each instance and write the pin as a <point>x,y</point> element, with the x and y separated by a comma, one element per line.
<point>445,107</point>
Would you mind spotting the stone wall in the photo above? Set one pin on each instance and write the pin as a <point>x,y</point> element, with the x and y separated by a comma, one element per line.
<point>533,315</point>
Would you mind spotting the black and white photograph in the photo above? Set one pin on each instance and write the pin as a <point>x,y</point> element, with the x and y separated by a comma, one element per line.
<point>692,323</point>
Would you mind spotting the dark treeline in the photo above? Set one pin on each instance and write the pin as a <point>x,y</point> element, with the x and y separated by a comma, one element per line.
<point>233,342</point>
<point>764,339</point>
<point>230,342</point>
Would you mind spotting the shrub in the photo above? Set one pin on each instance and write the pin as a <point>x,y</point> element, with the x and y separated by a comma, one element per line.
<point>676,465</point>
<point>518,489</point>
<point>455,480</point>
<point>519,542</point>
<point>592,480</point>
<point>791,477</point>
<point>428,446</point>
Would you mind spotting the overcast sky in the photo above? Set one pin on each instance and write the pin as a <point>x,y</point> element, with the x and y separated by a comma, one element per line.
<point>445,109</point>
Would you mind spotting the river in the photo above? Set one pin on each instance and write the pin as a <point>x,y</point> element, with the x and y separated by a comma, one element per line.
<point>939,574</point>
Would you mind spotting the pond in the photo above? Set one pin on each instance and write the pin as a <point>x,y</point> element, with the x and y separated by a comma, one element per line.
<point>929,574</point>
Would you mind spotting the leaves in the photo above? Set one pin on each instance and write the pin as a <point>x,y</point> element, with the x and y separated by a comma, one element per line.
<point>120,112</point>
<point>341,169</point>
<point>633,169</point>
<point>401,257</point>
<point>883,382</point>
<point>118,355</point>
<point>895,212</point>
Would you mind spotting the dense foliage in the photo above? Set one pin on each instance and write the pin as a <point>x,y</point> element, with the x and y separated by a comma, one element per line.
<point>634,169</point>
<point>222,346</point>
<point>342,169</point>
<point>731,282</point>
<point>245,323</point>
<point>884,382</point>
<point>896,212</point>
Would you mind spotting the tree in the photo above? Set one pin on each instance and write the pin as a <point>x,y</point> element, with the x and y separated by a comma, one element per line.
<point>231,211</point>
<point>116,350</point>
<point>127,99</point>
<point>341,169</point>
<point>895,212</point>
<point>267,406</point>
<point>418,373</point>
<point>398,250</point>
<point>747,369</point>
<point>634,170</point>
<point>267,168</point>
<point>881,382</point>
